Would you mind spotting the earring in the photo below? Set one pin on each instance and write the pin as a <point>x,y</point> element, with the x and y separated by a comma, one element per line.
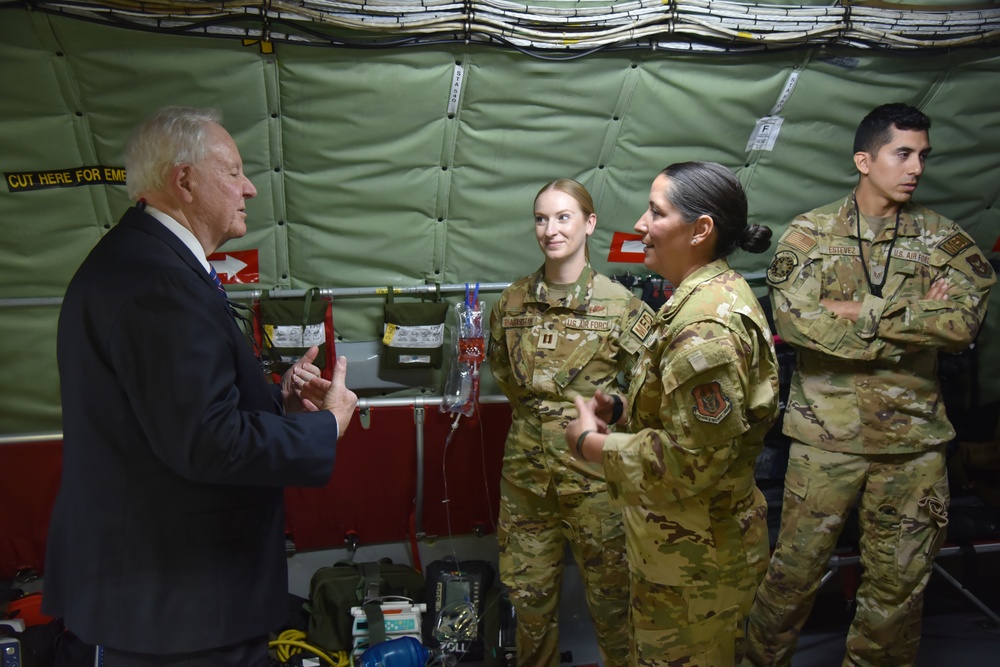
<point>694,242</point>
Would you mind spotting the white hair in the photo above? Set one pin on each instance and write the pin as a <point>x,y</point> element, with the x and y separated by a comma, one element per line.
<point>171,136</point>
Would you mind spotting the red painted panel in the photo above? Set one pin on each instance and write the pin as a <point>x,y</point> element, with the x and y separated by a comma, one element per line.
<point>29,479</point>
<point>372,491</point>
<point>462,480</point>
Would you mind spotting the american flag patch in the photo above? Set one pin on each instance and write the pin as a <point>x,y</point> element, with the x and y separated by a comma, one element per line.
<point>797,239</point>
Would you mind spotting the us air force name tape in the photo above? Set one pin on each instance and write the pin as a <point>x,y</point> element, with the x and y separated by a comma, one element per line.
<point>24,181</point>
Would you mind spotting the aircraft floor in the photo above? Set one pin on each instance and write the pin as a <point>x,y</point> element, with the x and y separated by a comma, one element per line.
<point>956,633</point>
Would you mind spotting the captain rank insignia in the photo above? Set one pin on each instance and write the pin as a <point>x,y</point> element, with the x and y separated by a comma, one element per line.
<point>547,339</point>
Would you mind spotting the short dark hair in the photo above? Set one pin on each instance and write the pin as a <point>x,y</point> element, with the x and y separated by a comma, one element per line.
<point>875,130</point>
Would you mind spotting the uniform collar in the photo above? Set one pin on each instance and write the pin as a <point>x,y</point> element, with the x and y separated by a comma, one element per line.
<point>909,220</point>
<point>577,296</point>
<point>688,286</point>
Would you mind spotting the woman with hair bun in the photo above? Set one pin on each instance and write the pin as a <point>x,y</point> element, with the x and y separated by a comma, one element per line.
<point>704,394</point>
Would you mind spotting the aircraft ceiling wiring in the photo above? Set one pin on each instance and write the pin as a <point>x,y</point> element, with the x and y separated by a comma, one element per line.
<point>568,26</point>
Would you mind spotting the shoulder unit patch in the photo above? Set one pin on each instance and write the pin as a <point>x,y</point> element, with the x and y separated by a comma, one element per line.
<point>710,404</point>
<point>782,265</point>
<point>980,266</point>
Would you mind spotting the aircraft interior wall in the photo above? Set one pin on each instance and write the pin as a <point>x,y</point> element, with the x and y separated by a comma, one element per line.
<point>379,167</point>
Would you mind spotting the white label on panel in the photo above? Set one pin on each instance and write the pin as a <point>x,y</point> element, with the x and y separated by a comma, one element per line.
<point>296,336</point>
<point>765,133</point>
<point>793,78</point>
<point>456,88</point>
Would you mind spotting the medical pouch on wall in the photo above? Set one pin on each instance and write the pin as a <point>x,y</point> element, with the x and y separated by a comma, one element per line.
<point>290,326</point>
<point>413,334</point>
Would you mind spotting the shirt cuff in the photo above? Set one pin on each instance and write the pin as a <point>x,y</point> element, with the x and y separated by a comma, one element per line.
<point>870,316</point>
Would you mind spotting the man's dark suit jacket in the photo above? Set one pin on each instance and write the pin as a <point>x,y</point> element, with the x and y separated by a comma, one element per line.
<point>168,530</point>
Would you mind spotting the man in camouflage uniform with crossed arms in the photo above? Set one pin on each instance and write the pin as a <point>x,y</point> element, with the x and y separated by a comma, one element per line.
<point>868,289</point>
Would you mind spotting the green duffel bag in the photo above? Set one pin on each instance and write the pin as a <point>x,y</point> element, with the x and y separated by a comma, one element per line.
<point>334,590</point>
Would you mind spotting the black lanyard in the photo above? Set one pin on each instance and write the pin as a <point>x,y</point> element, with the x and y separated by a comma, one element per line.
<point>875,290</point>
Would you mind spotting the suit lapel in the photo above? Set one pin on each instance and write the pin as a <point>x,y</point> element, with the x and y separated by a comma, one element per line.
<point>141,221</point>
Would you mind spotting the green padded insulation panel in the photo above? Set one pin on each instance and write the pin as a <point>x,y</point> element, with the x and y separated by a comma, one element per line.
<point>380,167</point>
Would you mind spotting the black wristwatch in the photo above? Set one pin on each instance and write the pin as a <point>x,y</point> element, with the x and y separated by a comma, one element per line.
<point>617,408</point>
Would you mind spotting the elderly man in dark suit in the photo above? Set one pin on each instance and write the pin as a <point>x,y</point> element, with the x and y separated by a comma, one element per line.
<point>167,545</point>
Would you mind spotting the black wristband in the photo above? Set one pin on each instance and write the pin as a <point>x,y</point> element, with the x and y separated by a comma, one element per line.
<point>579,445</point>
<point>617,409</point>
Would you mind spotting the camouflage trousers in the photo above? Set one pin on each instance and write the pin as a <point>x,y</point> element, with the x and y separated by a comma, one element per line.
<point>700,625</point>
<point>902,517</point>
<point>533,531</point>
<point>696,626</point>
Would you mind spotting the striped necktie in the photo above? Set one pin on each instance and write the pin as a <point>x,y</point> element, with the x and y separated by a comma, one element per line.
<point>218,281</point>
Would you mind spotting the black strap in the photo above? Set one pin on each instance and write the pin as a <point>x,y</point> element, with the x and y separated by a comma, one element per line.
<point>371,582</point>
<point>875,290</point>
<point>616,409</point>
<point>376,622</point>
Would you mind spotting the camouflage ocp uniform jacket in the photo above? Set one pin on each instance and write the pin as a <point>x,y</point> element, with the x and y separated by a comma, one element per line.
<point>871,387</point>
<point>704,394</point>
<point>544,352</point>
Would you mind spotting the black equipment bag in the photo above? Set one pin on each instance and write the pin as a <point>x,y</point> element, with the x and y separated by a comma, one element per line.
<point>456,606</point>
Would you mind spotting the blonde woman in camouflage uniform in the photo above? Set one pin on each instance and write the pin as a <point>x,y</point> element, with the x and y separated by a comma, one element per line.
<point>868,289</point>
<point>561,332</point>
<point>703,396</point>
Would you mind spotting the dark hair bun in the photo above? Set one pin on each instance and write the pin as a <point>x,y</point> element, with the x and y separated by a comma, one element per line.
<point>756,238</point>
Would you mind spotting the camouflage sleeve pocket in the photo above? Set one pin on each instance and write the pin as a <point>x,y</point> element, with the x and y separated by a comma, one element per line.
<point>828,330</point>
<point>961,254</point>
<point>706,396</point>
<point>629,342</point>
<point>685,363</point>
